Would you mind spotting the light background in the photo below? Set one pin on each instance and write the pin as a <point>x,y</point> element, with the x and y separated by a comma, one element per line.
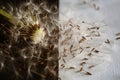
<point>109,13</point>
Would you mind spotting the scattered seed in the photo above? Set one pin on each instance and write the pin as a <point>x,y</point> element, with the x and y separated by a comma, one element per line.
<point>81,69</point>
<point>62,65</point>
<point>64,61</point>
<point>81,50</point>
<point>93,49</point>
<point>83,21</point>
<point>83,39</point>
<point>71,67</point>
<point>117,38</point>
<point>90,54</point>
<point>71,25</point>
<point>96,51</point>
<point>71,48</point>
<point>108,41</point>
<point>91,66</point>
<point>82,63</point>
<point>73,55</point>
<point>65,50</point>
<point>85,59</point>
<point>88,47</point>
<point>88,73</point>
<point>59,58</point>
<point>94,28</point>
<point>96,7</point>
<point>97,35</point>
<point>118,34</point>
<point>78,27</point>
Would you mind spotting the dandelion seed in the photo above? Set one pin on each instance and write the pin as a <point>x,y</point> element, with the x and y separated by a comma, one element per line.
<point>38,35</point>
<point>71,67</point>
<point>91,66</point>
<point>108,41</point>
<point>85,59</point>
<point>96,51</point>
<point>88,73</point>
<point>117,38</point>
<point>117,34</point>
<point>81,69</point>
<point>62,65</point>
<point>90,54</point>
<point>82,63</point>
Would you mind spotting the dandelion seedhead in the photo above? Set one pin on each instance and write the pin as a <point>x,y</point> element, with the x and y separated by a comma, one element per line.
<point>28,41</point>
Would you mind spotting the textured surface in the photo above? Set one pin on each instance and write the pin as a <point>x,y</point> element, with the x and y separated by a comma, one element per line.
<point>107,13</point>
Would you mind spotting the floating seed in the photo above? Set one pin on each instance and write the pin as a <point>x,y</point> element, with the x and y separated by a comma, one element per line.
<point>81,69</point>
<point>93,49</point>
<point>117,38</point>
<point>82,63</point>
<point>71,48</point>
<point>71,67</point>
<point>90,54</point>
<point>83,39</point>
<point>118,34</point>
<point>91,66</point>
<point>64,61</point>
<point>96,51</point>
<point>88,47</point>
<point>94,28</point>
<point>65,50</point>
<point>108,41</point>
<point>62,65</point>
<point>88,73</point>
<point>85,59</point>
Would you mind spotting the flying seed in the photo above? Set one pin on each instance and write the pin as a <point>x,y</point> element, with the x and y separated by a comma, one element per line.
<point>82,63</point>
<point>73,55</point>
<point>108,41</point>
<point>117,38</point>
<point>93,28</point>
<point>81,50</point>
<point>81,69</point>
<point>88,47</point>
<point>88,73</point>
<point>118,34</point>
<point>83,21</point>
<point>91,66</point>
<point>64,61</point>
<point>90,54</point>
<point>59,58</point>
<point>71,25</point>
<point>96,51</point>
<point>85,59</point>
<point>71,48</point>
<point>62,65</point>
<point>78,27</point>
<point>71,67</point>
<point>65,50</point>
<point>93,49</point>
<point>83,39</point>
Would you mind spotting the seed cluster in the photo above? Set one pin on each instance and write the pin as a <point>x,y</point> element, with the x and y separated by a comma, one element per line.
<point>29,45</point>
<point>80,47</point>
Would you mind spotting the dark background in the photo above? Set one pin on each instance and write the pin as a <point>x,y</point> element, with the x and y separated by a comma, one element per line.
<point>7,74</point>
